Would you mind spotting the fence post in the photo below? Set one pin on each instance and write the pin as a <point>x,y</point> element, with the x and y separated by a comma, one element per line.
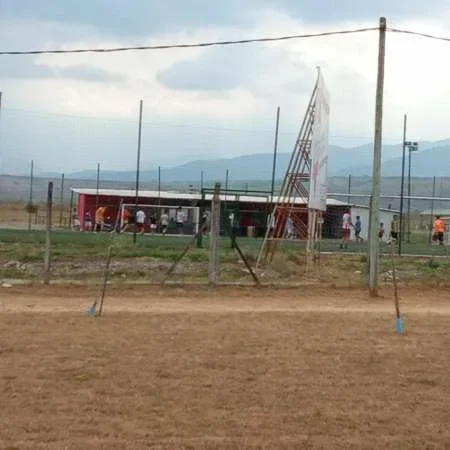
<point>61,202</point>
<point>213,267</point>
<point>48,243</point>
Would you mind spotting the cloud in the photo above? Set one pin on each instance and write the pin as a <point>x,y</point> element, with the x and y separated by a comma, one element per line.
<point>190,95</point>
<point>27,69</point>
<point>136,18</point>
<point>326,11</point>
<point>149,17</point>
<point>228,68</point>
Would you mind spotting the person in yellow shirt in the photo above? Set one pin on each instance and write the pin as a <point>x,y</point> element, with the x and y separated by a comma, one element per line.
<point>438,230</point>
<point>100,218</point>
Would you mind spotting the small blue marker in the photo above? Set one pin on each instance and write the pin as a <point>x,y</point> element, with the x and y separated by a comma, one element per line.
<point>399,325</point>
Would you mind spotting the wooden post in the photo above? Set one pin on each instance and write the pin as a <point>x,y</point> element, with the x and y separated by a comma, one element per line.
<point>70,210</point>
<point>311,239</point>
<point>61,202</point>
<point>48,243</point>
<point>376,175</point>
<point>213,267</point>
<point>30,197</point>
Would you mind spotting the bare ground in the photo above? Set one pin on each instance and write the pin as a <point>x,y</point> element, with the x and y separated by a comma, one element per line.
<point>194,368</point>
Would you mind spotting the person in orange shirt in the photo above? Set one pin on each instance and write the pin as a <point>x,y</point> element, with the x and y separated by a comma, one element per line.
<point>100,218</point>
<point>438,230</point>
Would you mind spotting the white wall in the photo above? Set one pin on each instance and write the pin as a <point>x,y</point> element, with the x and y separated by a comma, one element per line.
<point>385,217</point>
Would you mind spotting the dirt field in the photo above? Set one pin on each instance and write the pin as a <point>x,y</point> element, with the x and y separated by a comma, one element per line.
<point>234,368</point>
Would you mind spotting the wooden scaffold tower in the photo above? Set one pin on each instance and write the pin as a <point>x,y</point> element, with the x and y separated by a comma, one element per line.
<point>289,216</point>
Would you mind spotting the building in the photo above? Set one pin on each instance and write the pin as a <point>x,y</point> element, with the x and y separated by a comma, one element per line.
<point>250,211</point>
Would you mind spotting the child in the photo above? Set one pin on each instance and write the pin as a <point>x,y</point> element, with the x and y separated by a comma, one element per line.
<point>358,227</point>
<point>381,231</point>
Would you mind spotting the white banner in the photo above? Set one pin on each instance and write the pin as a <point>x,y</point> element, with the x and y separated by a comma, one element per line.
<point>319,149</point>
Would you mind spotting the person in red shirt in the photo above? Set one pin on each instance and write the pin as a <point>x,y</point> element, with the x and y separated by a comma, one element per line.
<point>125,219</point>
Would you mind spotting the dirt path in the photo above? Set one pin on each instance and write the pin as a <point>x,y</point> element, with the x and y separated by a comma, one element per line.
<point>159,300</point>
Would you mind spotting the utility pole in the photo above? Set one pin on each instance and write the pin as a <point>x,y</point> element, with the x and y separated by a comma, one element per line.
<point>376,175</point>
<point>402,187</point>
<point>138,165</point>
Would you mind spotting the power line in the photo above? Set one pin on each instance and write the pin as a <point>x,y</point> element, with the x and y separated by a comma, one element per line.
<point>196,45</point>
<point>157,123</point>
<point>220,43</point>
<point>417,33</point>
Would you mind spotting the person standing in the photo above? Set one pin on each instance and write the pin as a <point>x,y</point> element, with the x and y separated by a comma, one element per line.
<point>140,221</point>
<point>125,219</point>
<point>395,230</point>
<point>358,228</point>
<point>289,228</point>
<point>381,231</point>
<point>179,219</point>
<point>75,220</point>
<point>100,218</point>
<point>438,230</point>
<point>346,229</point>
<point>164,222</point>
<point>204,223</point>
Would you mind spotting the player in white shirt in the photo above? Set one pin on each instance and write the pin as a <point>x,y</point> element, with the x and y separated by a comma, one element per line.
<point>140,220</point>
<point>164,222</point>
<point>346,229</point>
<point>179,219</point>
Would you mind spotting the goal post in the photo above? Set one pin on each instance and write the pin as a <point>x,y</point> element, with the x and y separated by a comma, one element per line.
<point>190,216</point>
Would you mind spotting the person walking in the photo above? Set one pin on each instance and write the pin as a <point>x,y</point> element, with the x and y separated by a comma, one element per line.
<point>358,228</point>
<point>395,230</point>
<point>438,230</point>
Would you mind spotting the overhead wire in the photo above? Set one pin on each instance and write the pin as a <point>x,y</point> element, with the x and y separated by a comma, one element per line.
<point>420,34</point>
<point>219,43</point>
<point>193,45</point>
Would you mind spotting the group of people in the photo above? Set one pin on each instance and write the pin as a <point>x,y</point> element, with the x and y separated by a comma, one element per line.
<point>129,219</point>
<point>140,220</point>
<point>347,225</point>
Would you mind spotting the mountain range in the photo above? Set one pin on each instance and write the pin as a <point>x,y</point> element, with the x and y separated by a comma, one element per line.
<point>432,159</point>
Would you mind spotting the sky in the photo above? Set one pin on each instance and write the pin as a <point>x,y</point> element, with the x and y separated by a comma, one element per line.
<point>68,112</point>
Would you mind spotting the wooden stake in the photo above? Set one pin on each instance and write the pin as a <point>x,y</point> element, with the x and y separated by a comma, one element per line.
<point>213,267</point>
<point>48,242</point>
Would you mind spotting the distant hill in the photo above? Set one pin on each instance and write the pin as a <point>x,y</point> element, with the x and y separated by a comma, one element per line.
<point>433,159</point>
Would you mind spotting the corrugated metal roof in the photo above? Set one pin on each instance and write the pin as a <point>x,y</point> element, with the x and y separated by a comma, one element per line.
<point>189,196</point>
<point>435,212</point>
<point>394,211</point>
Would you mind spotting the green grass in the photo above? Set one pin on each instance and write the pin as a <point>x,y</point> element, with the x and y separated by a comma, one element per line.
<point>28,246</point>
